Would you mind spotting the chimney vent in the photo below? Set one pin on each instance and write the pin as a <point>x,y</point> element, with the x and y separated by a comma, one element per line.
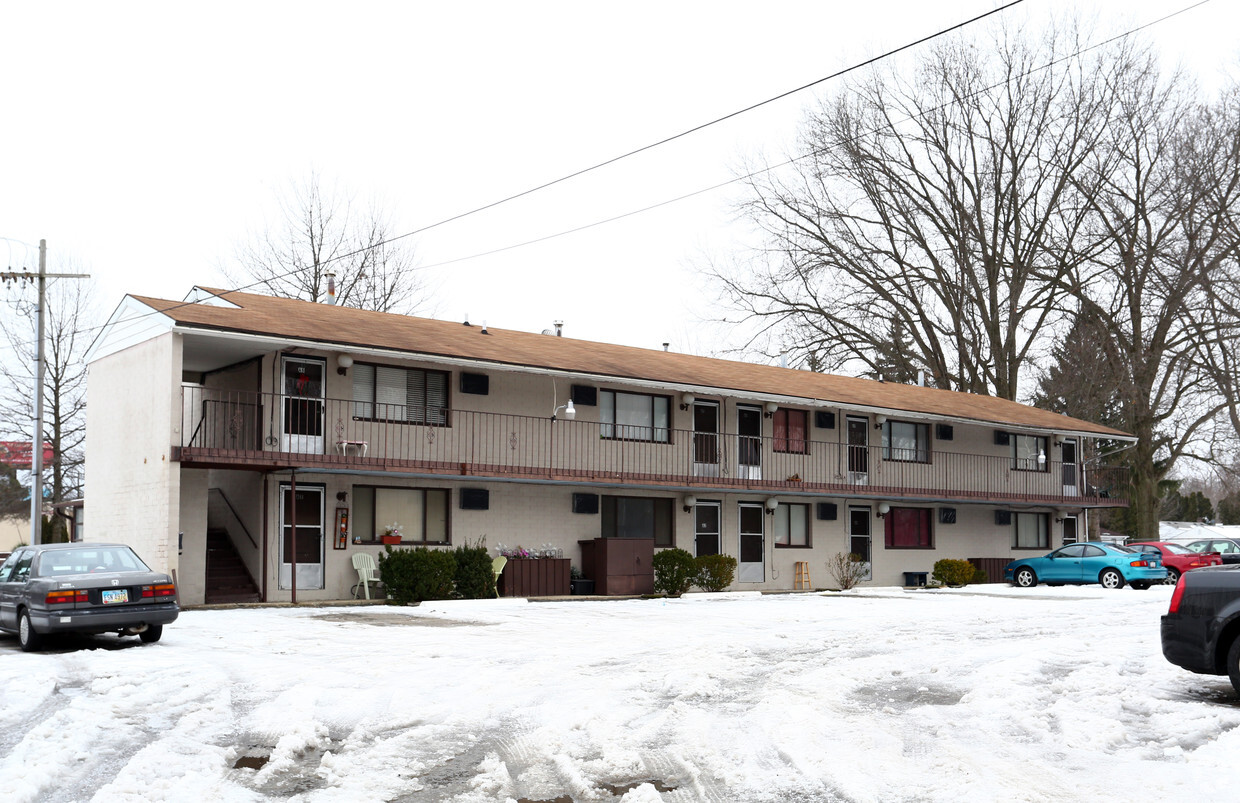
<point>665,345</point>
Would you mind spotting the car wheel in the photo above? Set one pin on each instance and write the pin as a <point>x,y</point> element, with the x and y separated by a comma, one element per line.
<point>1111,579</point>
<point>1025,578</point>
<point>1173,576</point>
<point>1233,664</point>
<point>26,635</point>
<point>152,633</point>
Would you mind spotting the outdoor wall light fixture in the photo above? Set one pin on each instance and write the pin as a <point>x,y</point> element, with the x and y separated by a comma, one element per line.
<point>687,400</point>
<point>883,509</point>
<point>689,502</point>
<point>879,420</point>
<point>771,505</point>
<point>343,363</point>
<point>771,407</point>
<point>570,412</point>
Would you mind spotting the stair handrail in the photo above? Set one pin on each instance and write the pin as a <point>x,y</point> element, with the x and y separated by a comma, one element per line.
<point>233,511</point>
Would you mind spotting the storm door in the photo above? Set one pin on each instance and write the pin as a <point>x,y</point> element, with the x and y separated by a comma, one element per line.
<point>1070,468</point>
<point>752,566</point>
<point>302,408</point>
<point>1069,530</point>
<point>749,442</point>
<point>858,450</point>
<point>705,439</point>
<point>859,538</point>
<point>309,536</point>
<point>706,532</point>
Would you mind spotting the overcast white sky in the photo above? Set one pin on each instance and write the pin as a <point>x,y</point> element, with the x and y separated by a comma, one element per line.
<point>145,140</point>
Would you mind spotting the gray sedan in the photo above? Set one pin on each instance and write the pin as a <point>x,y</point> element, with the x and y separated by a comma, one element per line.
<point>83,588</point>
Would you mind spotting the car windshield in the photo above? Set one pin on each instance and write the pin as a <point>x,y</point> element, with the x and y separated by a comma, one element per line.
<point>54,563</point>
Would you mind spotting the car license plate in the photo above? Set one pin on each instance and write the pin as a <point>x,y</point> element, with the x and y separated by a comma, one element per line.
<point>114,595</point>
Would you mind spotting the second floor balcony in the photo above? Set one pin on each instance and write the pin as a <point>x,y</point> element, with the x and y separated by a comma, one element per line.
<point>261,431</point>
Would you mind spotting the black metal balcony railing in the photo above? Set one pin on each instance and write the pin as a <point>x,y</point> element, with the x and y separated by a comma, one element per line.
<point>260,429</point>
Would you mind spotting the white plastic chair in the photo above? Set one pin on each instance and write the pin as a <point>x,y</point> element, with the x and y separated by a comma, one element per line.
<point>364,562</point>
<point>497,566</point>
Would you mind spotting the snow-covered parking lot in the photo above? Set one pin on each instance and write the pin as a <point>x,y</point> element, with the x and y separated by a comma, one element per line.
<point>984,693</point>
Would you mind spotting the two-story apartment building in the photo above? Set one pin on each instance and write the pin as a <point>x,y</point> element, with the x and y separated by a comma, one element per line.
<point>253,418</point>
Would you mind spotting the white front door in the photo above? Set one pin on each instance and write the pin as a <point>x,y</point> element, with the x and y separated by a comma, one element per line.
<point>1070,468</point>
<point>301,410</point>
<point>748,442</point>
<point>859,538</point>
<point>752,541</point>
<point>858,450</point>
<point>706,439</point>
<point>309,542</point>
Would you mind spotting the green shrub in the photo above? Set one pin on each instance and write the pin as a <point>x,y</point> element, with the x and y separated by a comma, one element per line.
<point>475,578</point>
<point>414,575</point>
<point>952,572</point>
<point>979,575</point>
<point>714,572</point>
<point>674,571</point>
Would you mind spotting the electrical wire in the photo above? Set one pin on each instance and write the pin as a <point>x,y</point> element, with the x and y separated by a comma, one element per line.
<point>694,193</point>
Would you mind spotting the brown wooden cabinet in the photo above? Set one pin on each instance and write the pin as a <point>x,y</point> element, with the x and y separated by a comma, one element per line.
<point>535,577</point>
<point>619,566</point>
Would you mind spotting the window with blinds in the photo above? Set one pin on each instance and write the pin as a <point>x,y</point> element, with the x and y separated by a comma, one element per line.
<point>411,395</point>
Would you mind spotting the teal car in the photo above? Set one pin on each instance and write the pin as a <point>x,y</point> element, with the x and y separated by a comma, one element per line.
<point>1085,563</point>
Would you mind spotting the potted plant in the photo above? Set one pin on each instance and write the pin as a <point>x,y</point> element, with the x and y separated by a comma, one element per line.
<point>392,534</point>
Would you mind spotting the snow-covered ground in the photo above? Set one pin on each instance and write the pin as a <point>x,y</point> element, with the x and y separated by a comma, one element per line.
<point>984,693</point>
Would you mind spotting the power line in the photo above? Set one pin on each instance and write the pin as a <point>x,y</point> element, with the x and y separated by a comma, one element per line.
<point>644,148</point>
<point>694,193</point>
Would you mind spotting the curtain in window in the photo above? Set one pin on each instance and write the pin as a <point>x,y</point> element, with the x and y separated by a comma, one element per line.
<point>908,527</point>
<point>790,430</point>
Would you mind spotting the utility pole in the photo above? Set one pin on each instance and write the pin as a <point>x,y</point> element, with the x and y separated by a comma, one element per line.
<point>36,446</point>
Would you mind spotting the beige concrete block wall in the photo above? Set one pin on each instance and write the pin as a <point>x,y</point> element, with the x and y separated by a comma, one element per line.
<point>132,486</point>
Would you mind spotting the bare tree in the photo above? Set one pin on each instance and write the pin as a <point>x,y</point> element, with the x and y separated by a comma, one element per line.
<point>68,323</point>
<point>1160,188</point>
<point>324,230</point>
<point>938,205</point>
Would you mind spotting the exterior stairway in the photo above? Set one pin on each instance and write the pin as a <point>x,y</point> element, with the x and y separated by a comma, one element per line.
<point>227,579</point>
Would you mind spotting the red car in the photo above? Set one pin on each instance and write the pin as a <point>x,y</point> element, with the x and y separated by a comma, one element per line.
<point>1178,558</point>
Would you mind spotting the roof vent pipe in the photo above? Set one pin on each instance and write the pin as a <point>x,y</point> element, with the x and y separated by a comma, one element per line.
<point>331,287</point>
<point>559,328</point>
<point>921,378</point>
<point>665,345</point>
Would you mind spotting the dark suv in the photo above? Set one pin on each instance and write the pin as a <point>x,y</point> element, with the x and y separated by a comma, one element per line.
<point>1201,629</point>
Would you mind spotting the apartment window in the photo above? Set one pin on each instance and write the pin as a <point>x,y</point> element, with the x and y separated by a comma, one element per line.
<point>790,426</point>
<point>906,441</point>
<point>634,416</point>
<point>792,526</point>
<point>638,517</point>
<point>422,513</point>
<point>410,395</point>
<point>1031,530</point>
<point>1029,453</point>
<point>908,528</point>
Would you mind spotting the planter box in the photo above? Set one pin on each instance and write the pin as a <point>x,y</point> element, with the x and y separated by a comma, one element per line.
<point>535,577</point>
<point>390,539</point>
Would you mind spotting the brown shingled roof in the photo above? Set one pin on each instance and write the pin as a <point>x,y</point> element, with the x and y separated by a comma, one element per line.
<point>345,326</point>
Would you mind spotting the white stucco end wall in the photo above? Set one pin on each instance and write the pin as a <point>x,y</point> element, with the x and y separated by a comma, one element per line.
<point>133,417</point>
